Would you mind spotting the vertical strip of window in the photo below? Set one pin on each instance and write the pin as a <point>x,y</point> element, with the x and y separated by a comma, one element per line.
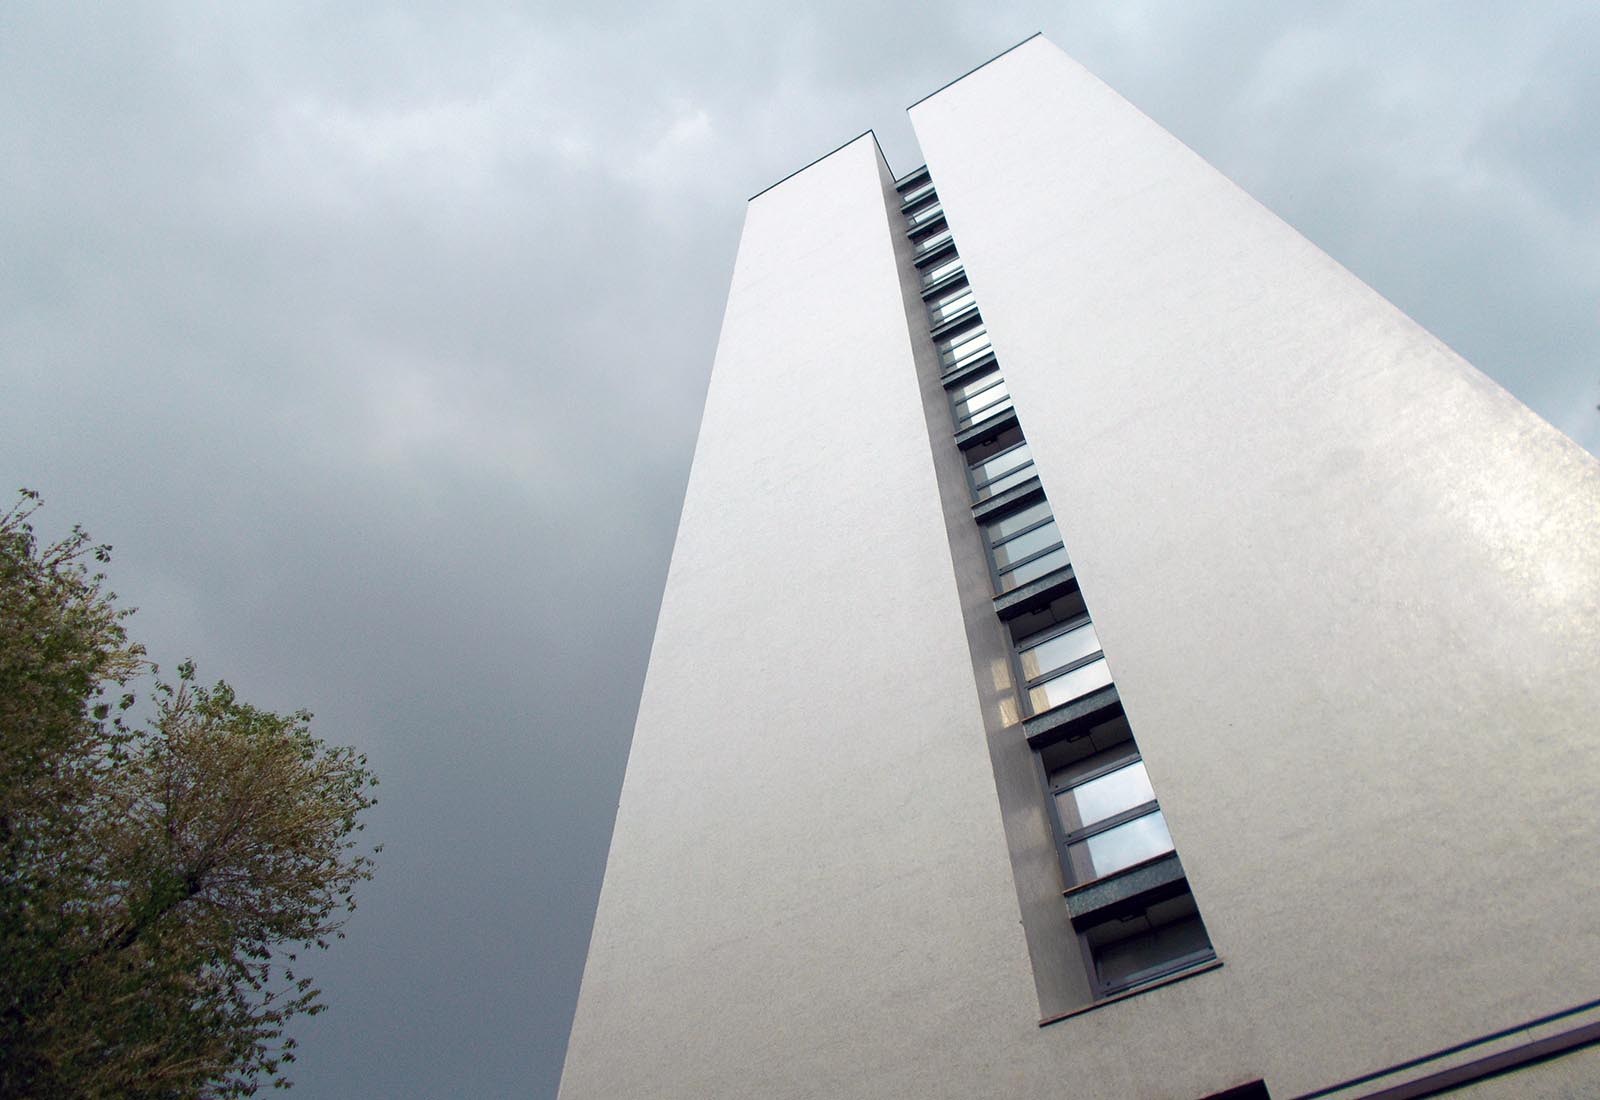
<point>1126,893</point>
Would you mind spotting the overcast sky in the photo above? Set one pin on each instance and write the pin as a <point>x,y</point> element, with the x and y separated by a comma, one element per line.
<point>375,339</point>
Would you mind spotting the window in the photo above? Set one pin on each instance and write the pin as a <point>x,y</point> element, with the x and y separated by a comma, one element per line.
<point>1034,568</point>
<point>1135,916</point>
<point>990,446</point>
<point>1110,821</point>
<point>1024,545</point>
<point>963,348</point>
<point>1061,664</point>
<point>980,399</point>
<point>932,241</point>
<point>1107,814</point>
<point>1153,941</point>
<point>1074,684</point>
<point>921,191</point>
<point>941,271</point>
<point>949,304</point>
<point>1127,896</point>
<point>1001,471</point>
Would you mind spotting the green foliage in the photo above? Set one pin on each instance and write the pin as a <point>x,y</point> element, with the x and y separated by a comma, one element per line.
<point>158,879</point>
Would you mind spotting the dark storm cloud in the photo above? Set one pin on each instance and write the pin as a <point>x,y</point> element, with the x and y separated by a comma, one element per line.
<point>376,337</point>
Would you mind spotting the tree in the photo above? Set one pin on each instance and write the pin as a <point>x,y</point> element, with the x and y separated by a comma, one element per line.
<point>159,879</point>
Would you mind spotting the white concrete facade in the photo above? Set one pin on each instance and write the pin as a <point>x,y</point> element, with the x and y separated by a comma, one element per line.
<point>804,848</point>
<point>1348,587</point>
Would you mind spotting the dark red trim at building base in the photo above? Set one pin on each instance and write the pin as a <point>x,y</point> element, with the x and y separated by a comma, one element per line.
<point>1491,1066</point>
<point>1414,1063</point>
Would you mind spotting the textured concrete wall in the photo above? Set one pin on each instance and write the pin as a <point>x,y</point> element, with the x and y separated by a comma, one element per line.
<point>808,887</point>
<point>1349,589</point>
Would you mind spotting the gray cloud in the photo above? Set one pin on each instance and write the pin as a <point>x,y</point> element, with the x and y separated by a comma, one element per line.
<point>376,338</point>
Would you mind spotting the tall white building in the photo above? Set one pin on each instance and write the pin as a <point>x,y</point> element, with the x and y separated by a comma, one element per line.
<point>1109,652</point>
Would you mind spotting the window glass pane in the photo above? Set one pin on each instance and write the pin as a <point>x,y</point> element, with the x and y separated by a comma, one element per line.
<point>1058,652</point>
<point>940,271</point>
<point>948,343</point>
<point>990,402</point>
<point>955,311</point>
<point>920,191</point>
<point>1001,484</point>
<point>1001,463</point>
<point>941,312</point>
<point>1069,686</point>
<point>963,344</point>
<point>933,241</point>
<point>1129,843</point>
<point>1001,529</point>
<point>1033,570</point>
<point>926,214</point>
<point>1105,796</point>
<point>1030,542</point>
<point>987,413</point>
<point>967,352</point>
<point>1015,522</point>
<point>977,385</point>
<point>967,358</point>
<point>987,397</point>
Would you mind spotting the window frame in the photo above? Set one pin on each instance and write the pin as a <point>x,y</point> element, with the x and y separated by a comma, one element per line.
<point>957,285</point>
<point>935,258</point>
<point>924,213</point>
<point>943,278</point>
<point>996,574</point>
<point>1103,989</point>
<point>1026,685</point>
<point>916,191</point>
<point>1082,925</point>
<point>1066,838</point>
<point>949,284</point>
<point>977,489</point>
<point>996,541</point>
<point>1005,588</point>
<point>956,322</point>
<point>975,416</point>
<point>957,335</point>
<point>928,239</point>
<point>934,287</point>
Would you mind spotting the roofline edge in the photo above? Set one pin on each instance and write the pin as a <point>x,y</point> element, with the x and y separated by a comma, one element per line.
<point>975,68</point>
<point>819,160</point>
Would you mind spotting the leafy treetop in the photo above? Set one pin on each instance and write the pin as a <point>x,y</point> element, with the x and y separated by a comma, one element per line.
<point>159,879</point>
